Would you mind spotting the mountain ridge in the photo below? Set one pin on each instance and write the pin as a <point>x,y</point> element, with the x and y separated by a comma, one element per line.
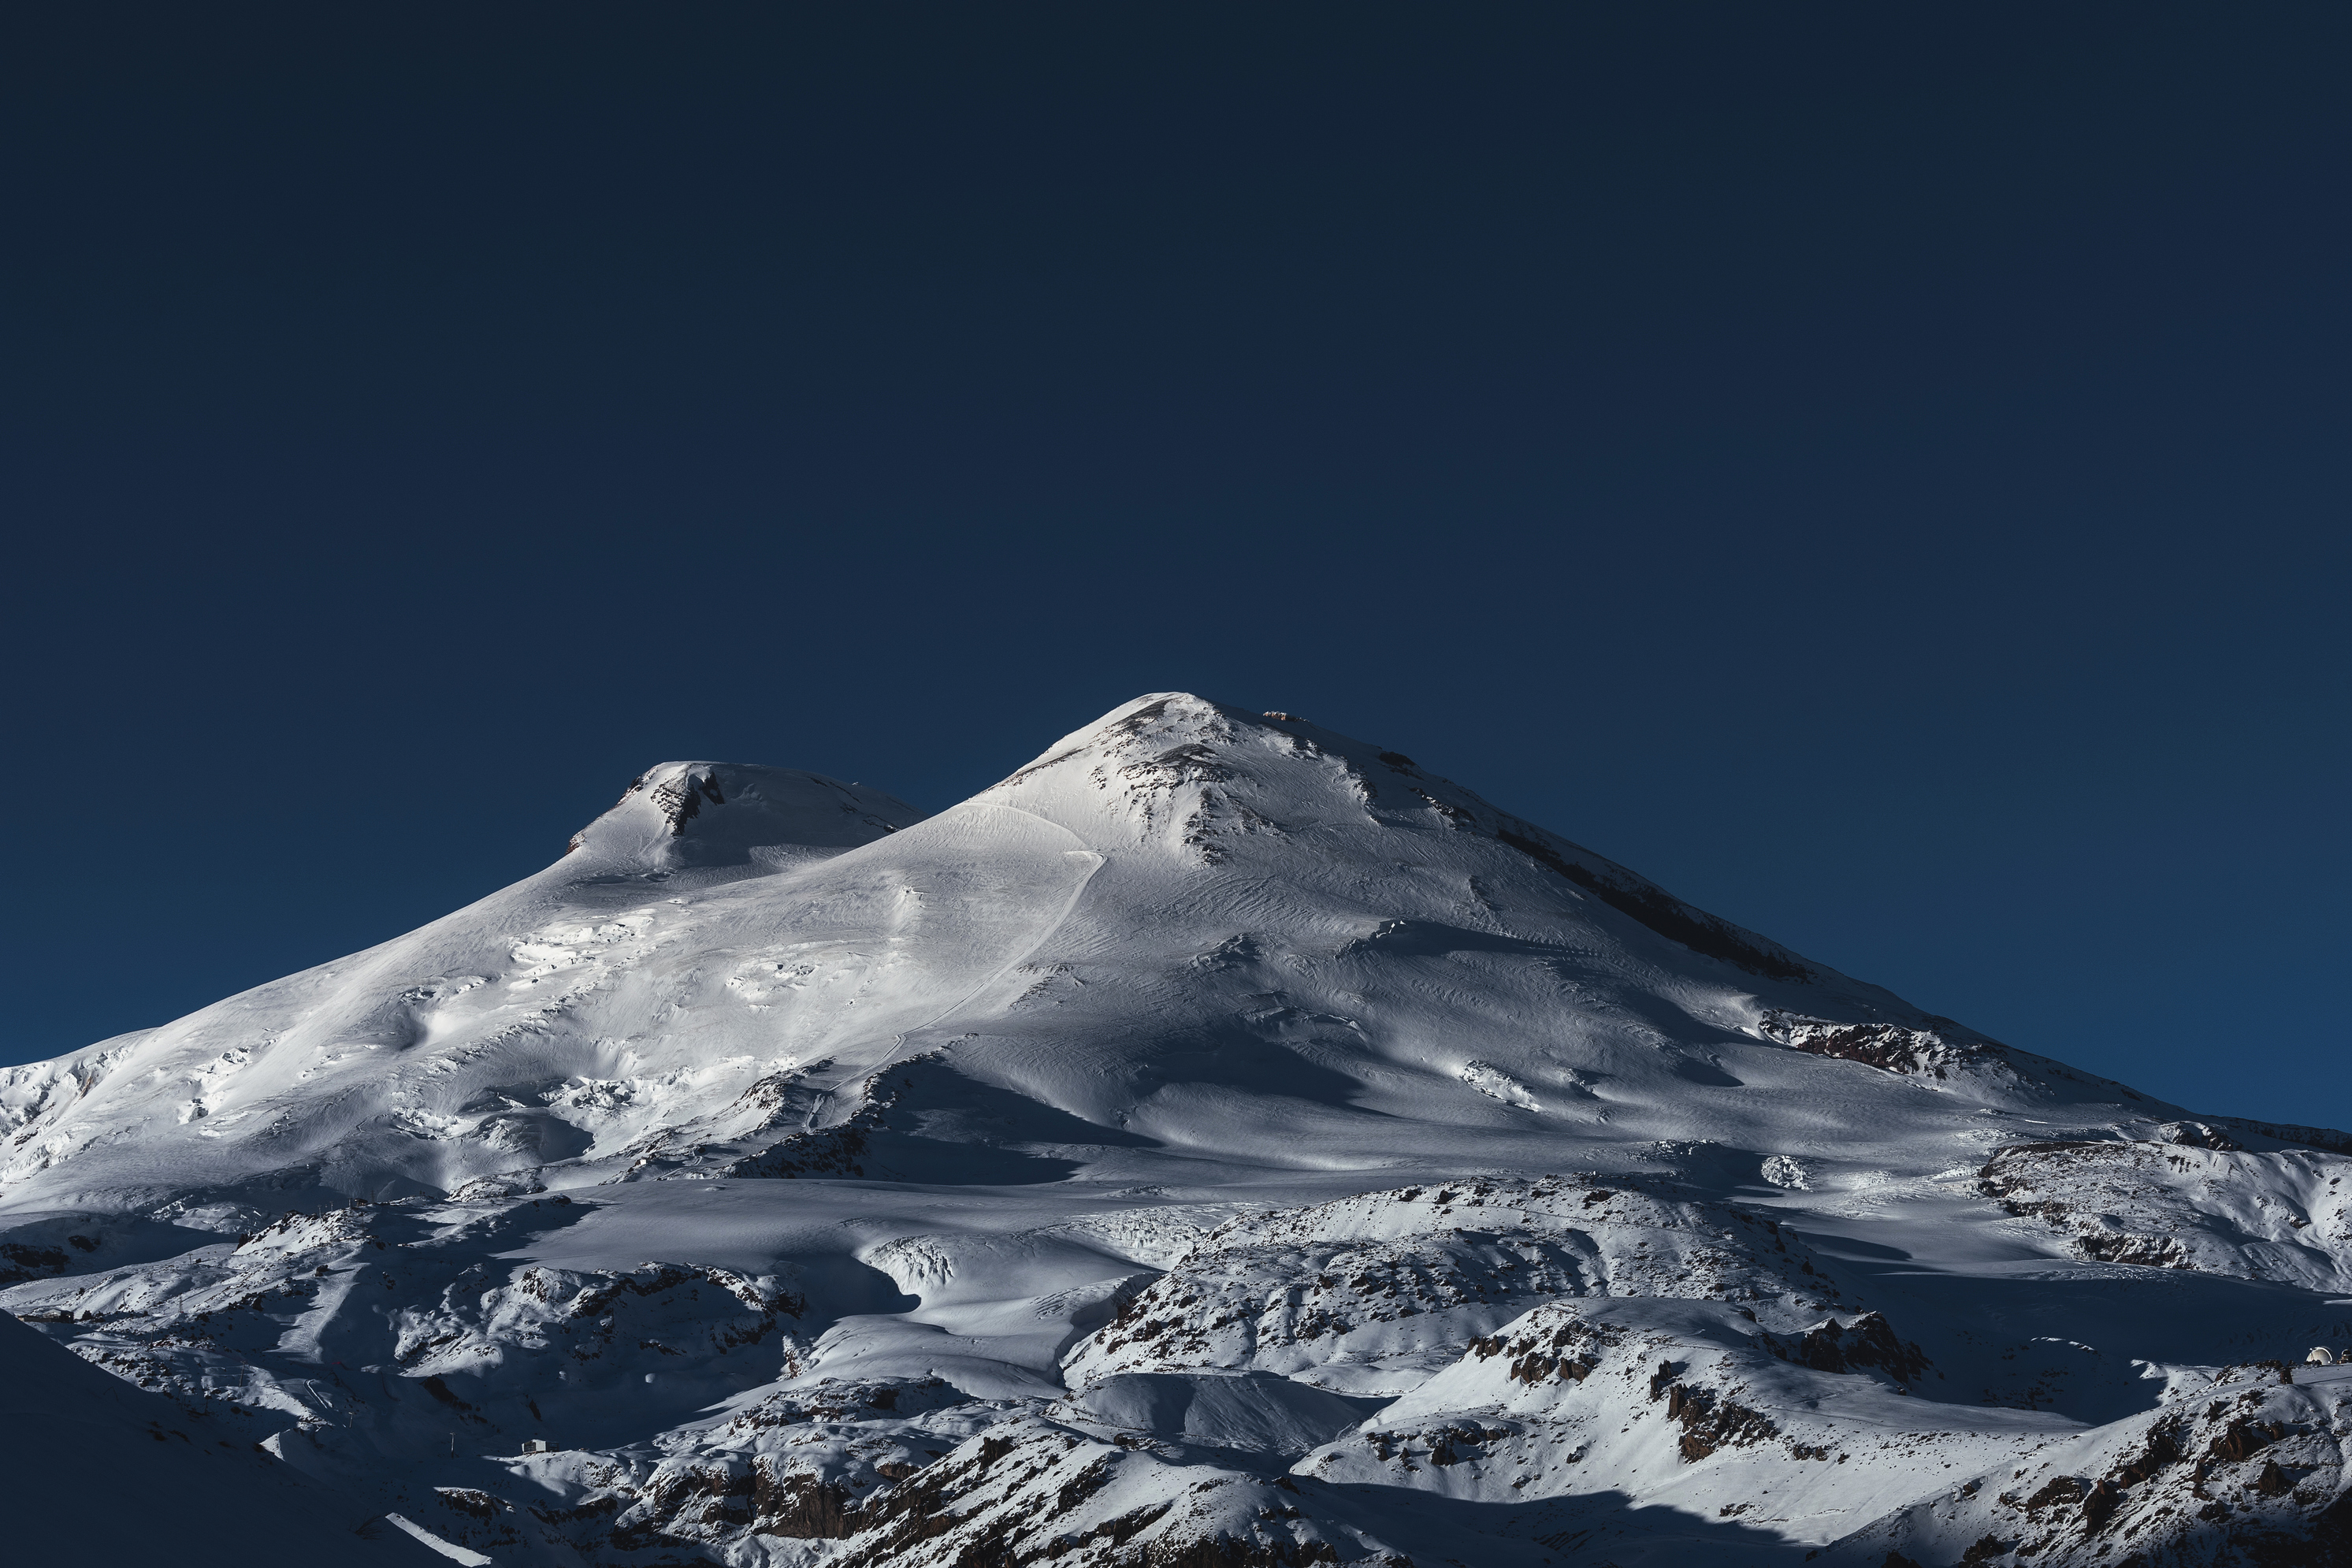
<point>796,1162</point>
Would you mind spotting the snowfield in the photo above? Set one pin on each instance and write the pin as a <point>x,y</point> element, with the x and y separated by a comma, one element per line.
<point>1222,1143</point>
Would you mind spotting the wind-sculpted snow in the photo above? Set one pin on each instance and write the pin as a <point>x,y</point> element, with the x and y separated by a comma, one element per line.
<point>1221,1143</point>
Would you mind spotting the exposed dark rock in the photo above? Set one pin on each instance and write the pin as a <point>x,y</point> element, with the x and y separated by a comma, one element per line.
<point>1868,1342</point>
<point>1662,912</point>
<point>2161,1449</point>
<point>681,801</point>
<point>2061,1491</point>
<point>2243,1439</point>
<point>20,1262</point>
<point>833,1151</point>
<point>1711,1420</point>
<point>1915,1053</point>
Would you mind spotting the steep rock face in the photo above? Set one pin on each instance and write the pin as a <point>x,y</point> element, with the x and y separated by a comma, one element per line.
<point>1220,1141</point>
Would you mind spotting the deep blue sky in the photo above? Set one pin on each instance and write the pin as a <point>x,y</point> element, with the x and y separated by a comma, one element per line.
<point>1879,470</point>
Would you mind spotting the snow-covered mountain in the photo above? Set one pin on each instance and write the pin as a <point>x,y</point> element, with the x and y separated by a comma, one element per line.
<point>1221,1143</point>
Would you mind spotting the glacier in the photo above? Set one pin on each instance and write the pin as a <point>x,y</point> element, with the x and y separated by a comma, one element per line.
<point>1221,1143</point>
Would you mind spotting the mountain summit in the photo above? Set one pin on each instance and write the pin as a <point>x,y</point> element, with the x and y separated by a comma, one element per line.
<point>1222,1140</point>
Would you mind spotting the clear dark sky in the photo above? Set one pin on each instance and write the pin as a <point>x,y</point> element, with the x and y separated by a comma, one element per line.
<point>1879,470</point>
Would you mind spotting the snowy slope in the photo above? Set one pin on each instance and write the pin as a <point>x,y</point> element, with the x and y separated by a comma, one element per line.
<point>1219,1137</point>
<point>97,1471</point>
